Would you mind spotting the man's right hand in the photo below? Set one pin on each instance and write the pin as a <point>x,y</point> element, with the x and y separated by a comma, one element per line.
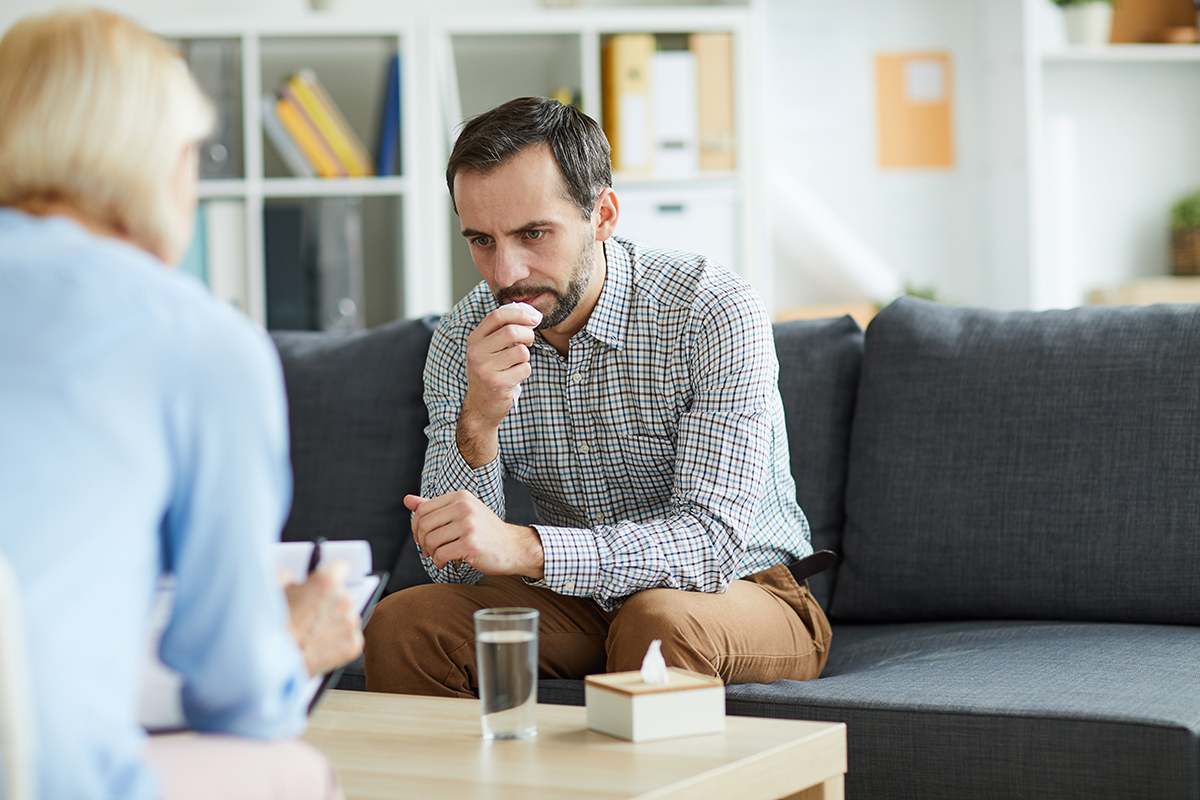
<point>497,361</point>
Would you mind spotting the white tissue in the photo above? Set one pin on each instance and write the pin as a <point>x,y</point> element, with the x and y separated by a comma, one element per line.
<point>654,668</point>
<point>517,388</point>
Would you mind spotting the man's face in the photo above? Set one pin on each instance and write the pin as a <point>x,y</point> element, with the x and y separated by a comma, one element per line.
<point>529,241</point>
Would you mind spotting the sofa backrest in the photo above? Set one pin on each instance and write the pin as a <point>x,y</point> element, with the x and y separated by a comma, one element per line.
<point>819,362</point>
<point>1025,465</point>
<point>358,438</point>
<point>358,417</point>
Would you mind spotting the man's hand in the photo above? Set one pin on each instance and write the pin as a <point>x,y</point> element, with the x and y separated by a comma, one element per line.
<point>324,621</point>
<point>459,527</point>
<point>497,361</point>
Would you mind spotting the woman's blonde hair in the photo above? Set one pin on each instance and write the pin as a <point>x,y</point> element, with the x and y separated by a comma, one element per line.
<point>95,113</point>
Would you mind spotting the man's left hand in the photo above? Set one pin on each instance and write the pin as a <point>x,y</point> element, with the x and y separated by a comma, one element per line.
<point>460,527</point>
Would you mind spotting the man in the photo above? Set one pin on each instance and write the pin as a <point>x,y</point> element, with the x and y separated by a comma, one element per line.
<point>634,392</point>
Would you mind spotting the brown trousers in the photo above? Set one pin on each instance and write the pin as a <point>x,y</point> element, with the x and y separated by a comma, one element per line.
<point>763,628</point>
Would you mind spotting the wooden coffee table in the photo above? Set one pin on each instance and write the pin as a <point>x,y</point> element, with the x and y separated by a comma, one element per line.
<point>399,746</point>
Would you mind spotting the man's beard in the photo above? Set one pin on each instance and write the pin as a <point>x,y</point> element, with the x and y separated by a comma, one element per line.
<point>565,301</point>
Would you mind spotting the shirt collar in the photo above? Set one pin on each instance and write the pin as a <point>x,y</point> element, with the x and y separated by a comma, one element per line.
<point>610,318</point>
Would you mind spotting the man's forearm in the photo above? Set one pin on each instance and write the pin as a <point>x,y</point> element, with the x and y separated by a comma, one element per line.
<point>479,444</point>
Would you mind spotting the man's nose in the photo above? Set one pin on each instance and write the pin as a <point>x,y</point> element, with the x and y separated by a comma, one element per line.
<point>510,265</point>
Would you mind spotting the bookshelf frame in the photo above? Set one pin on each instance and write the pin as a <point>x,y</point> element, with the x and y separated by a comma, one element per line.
<point>430,91</point>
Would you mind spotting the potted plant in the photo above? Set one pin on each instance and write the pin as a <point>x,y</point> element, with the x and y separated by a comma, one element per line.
<point>1185,235</point>
<point>1089,22</point>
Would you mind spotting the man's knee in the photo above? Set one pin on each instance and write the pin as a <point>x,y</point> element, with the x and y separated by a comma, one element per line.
<point>417,641</point>
<point>665,614</point>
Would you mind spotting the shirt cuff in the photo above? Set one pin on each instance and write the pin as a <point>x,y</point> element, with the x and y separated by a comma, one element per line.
<point>571,561</point>
<point>486,482</point>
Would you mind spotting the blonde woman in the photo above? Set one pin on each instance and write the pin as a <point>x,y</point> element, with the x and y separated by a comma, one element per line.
<point>142,428</point>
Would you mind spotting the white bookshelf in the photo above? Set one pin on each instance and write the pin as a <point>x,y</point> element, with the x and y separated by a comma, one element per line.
<point>346,54</point>
<point>1112,134</point>
<point>451,67</point>
<point>1123,53</point>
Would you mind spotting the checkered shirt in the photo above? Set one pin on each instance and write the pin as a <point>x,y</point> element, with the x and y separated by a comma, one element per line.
<point>656,453</point>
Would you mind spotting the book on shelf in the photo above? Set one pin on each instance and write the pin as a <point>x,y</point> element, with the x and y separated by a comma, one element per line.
<point>305,90</point>
<point>308,139</point>
<point>217,253</point>
<point>388,154</point>
<point>283,141</point>
<point>195,260</point>
<point>225,250</point>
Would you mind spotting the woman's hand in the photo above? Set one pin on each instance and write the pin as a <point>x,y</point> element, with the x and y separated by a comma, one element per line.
<point>324,621</point>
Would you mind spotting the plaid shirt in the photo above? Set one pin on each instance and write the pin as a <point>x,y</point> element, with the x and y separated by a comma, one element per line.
<point>656,453</point>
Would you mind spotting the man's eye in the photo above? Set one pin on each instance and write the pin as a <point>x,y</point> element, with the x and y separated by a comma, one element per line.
<point>481,241</point>
<point>535,234</point>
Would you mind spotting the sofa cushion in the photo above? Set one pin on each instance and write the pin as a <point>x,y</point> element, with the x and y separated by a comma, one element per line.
<point>993,709</point>
<point>819,362</point>
<point>357,434</point>
<point>1025,465</point>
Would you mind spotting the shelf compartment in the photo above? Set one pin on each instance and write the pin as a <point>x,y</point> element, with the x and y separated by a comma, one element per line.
<point>331,262</point>
<point>353,71</point>
<point>216,64</point>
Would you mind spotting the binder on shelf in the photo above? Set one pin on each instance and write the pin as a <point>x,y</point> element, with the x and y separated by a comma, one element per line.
<point>310,142</point>
<point>225,250</point>
<point>214,63</point>
<point>284,144</point>
<point>288,278</point>
<point>306,91</point>
<point>387,162</point>
<point>339,264</point>
<point>676,146</point>
<point>626,100</point>
<point>715,111</point>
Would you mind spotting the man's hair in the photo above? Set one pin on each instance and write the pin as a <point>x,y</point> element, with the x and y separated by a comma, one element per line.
<point>575,139</point>
<point>95,113</point>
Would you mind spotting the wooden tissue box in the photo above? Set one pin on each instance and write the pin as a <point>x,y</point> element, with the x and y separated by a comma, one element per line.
<point>621,705</point>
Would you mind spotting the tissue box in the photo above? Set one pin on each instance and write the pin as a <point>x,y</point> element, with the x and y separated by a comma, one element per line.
<point>622,705</point>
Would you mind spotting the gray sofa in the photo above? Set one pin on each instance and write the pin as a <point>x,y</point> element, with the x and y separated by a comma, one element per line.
<point>1016,501</point>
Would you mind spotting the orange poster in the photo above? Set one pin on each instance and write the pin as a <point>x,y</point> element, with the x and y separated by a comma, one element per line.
<point>916,110</point>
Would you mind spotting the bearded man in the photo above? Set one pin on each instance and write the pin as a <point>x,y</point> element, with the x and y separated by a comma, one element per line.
<point>635,393</point>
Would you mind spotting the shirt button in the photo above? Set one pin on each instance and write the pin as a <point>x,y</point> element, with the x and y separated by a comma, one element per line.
<point>583,448</point>
<point>569,586</point>
<point>576,378</point>
<point>599,518</point>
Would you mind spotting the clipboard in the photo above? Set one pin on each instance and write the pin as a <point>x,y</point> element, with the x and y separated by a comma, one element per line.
<point>160,708</point>
<point>369,596</point>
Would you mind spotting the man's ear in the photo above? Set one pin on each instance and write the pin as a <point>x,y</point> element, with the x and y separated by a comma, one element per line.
<point>607,210</point>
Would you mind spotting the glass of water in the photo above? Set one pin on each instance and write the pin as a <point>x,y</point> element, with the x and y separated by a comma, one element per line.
<point>506,654</point>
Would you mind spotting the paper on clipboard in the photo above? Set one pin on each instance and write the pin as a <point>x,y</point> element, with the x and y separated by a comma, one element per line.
<point>160,708</point>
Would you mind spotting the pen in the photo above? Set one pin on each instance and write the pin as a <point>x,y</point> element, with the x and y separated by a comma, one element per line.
<point>315,558</point>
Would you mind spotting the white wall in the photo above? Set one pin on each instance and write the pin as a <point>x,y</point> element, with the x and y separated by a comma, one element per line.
<point>966,232</point>
<point>926,225</point>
